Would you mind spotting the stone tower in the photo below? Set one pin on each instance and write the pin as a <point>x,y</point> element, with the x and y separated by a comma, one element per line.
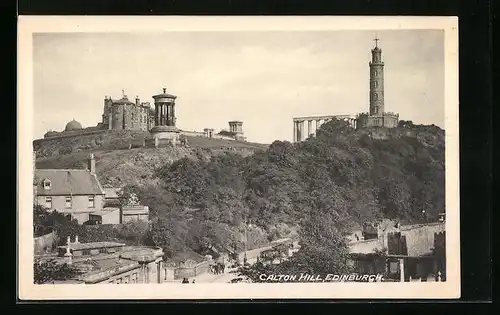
<point>376,81</point>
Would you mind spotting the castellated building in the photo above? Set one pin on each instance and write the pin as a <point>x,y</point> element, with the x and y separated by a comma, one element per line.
<point>123,114</point>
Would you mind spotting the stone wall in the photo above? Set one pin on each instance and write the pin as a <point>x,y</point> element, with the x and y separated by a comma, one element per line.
<point>420,240</point>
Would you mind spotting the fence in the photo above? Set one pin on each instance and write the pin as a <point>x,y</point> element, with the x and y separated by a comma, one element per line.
<point>45,243</point>
<point>190,272</point>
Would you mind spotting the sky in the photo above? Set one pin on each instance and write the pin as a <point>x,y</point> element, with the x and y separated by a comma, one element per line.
<point>263,79</point>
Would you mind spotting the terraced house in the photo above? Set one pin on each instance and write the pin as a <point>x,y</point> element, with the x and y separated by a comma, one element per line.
<point>74,192</point>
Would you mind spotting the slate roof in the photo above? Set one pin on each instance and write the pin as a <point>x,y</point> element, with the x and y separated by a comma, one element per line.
<point>67,182</point>
<point>123,100</point>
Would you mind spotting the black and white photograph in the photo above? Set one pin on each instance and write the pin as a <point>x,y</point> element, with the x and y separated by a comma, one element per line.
<point>237,160</point>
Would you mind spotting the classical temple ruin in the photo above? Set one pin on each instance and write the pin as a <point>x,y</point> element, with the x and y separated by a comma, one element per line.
<point>376,117</point>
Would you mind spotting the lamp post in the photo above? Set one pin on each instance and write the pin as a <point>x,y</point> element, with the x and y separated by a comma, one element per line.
<point>246,240</point>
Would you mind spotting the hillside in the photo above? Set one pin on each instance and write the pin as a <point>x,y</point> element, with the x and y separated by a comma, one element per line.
<point>343,176</point>
<point>136,166</point>
<point>332,183</point>
<point>103,140</point>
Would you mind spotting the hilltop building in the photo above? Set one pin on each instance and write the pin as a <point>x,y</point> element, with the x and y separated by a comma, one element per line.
<point>158,124</point>
<point>123,114</point>
<point>164,130</point>
<point>376,117</point>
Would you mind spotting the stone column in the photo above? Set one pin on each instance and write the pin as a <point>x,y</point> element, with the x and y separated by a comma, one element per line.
<point>298,131</point>
<point>164,114</point>
<point>301,129</point>
<point>402,270</point>
<point>160,115</point>
<point>294,131</point>
<point>173,114</point>
<point>318,124</point>
<point>167,114</point>
<point>309,128</point>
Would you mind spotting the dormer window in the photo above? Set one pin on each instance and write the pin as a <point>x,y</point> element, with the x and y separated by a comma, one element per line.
<point>46,184</point>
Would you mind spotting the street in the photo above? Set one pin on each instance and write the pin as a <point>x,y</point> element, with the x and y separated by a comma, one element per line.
<point>228,275</point>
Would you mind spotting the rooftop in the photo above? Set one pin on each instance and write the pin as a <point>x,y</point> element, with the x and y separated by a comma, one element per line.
<point>105,211</point>
<point>67,182</point>
<point>165,94</point>
<point>123,100</point>
<point>93,245</point>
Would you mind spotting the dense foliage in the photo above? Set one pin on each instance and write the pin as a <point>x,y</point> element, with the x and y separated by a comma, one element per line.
<point>340,178</point>
<point>47,271</point>
<point>319,188</point>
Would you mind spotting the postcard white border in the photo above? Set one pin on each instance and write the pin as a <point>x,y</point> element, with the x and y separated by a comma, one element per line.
<point>424,290</point>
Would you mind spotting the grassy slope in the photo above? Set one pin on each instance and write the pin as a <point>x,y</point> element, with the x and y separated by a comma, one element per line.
<point>137,166</point>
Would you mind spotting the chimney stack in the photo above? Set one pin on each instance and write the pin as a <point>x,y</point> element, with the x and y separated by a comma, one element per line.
<point>137,101</point>
<point>91,165</point>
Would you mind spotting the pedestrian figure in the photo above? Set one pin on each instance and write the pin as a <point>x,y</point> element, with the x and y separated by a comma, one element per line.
<point>193,280</point>
<point>185,280</point>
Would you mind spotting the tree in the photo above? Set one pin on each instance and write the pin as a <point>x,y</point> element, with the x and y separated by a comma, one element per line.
<point>324,250</point>
<point>47,271</point>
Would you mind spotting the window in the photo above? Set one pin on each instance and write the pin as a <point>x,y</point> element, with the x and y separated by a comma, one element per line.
<point>393,267</point>
<point>375,84</point>
<point>375,72</point>
<point>46,184</point>
<point>68,202</point>
<point>375,96</point>
<point>48,202</point>
<point>91,202</point>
